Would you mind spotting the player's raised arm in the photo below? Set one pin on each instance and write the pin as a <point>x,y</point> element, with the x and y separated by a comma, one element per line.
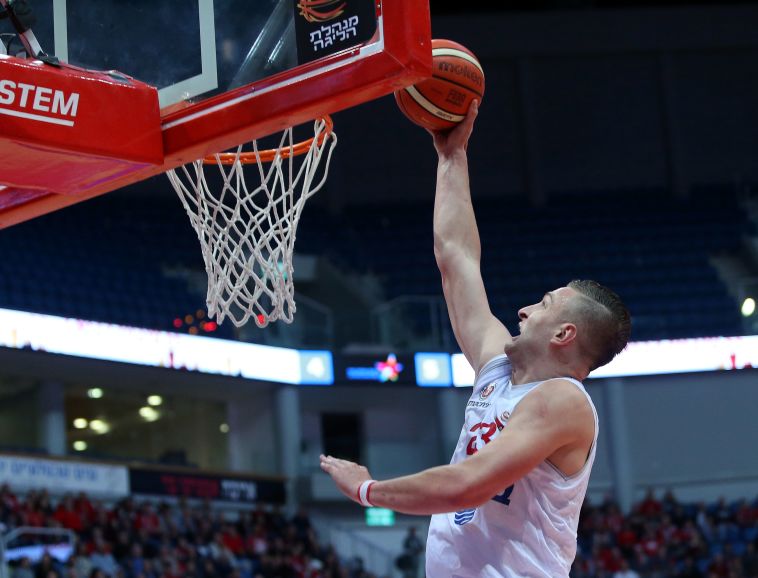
<point>457,249</point>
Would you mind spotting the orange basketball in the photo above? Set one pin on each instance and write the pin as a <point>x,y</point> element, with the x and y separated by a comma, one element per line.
<point>441,102</point>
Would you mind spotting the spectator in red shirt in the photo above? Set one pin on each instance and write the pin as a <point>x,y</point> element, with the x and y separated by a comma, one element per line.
<point>650,543</point>
<point>627,539</point>
<point>614,518</point>
<point>84,508</point>
<point>232,539</point>
<point>147,519</point>
<point>257,541</point>
<point>67,515</point>
<point>650,507</point>
<point>33,516</point>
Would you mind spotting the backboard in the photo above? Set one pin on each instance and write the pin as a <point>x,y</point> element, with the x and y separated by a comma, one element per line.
<point>226,71</point>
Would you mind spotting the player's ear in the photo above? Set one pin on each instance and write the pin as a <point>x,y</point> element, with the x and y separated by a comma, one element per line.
<point>565,334</point>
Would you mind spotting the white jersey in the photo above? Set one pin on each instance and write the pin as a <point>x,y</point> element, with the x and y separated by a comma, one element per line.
<point>528,530</point>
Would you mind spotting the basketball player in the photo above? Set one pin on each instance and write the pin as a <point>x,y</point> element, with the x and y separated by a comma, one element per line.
<point>508,504</point>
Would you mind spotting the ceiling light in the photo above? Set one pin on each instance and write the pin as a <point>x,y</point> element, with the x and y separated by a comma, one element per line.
<point>148,413</point>
<point>748,307</point>
<point>99,426</point>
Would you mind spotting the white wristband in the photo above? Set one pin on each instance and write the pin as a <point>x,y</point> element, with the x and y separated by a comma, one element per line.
<point>363,493</point>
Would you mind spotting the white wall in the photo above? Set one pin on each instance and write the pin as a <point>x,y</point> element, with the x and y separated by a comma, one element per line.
<point>695,433</point>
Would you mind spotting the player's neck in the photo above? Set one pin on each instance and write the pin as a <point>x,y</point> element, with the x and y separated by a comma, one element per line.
<point>539,370</point>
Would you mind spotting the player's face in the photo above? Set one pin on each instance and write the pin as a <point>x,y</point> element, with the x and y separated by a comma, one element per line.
<point>538,323</point>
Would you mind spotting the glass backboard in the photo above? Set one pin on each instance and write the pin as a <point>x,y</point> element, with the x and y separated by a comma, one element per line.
<point>193,49</point>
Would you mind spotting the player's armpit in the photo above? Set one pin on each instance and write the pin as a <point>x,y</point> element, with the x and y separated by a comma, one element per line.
<point>555,415</point>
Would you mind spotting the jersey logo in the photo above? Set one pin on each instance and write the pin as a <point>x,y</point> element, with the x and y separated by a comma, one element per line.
<point>487,391</point>
<point>464,516</point>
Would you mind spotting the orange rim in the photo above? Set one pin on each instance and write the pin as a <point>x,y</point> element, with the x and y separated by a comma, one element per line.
<point>268,155</point>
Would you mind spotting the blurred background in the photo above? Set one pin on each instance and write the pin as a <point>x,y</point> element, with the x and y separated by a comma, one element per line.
<point>617,141</point>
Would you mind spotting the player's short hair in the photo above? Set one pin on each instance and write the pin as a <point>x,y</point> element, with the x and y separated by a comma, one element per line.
<point>605,325</point>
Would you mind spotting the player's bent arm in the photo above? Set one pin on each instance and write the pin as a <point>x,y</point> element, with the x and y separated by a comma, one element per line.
<point>553,416</point>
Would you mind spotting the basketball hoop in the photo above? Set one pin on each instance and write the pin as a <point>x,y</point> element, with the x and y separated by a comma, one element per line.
<point>247,233</point>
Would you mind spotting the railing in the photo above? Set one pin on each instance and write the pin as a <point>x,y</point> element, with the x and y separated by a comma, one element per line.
<point>413,323</point>
<point>68,536</point>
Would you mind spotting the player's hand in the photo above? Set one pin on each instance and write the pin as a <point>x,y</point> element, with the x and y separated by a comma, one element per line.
<point>448,141</point>
<point>347,475</point>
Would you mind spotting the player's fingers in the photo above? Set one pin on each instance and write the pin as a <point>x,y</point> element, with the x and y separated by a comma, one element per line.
<point>340,462</point>
<point>336,464</point>
<point>473,111</point>
<point>327,464</point>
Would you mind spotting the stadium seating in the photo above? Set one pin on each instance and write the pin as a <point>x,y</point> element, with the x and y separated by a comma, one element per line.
<point>138,263</point>
<point>652,249</point>
<point>659,538</point>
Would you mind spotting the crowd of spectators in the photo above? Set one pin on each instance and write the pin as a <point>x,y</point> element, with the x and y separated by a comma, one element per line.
<point>141,539</point>
<point>659,538</point>
<point>664,538</point>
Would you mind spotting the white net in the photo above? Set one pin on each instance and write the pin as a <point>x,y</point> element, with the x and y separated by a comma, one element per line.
<point>247,231</point>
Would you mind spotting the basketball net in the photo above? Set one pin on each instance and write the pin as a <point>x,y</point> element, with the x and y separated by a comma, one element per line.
<point>247,231</point>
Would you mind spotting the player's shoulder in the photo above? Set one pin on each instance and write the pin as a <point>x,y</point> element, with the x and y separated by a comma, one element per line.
<point>561,397</point>
<point>495,366</point>
<point>563,386</point>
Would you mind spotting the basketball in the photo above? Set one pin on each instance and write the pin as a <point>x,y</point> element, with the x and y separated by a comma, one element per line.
<point>441,102</point>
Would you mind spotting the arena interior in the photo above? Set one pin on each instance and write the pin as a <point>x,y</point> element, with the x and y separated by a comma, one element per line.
<point>616,141</point>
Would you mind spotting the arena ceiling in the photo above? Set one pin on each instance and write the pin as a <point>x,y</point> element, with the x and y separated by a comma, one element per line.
<point>440,7</point>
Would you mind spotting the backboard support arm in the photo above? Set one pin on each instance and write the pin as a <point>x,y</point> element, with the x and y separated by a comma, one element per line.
<point>22,17</point>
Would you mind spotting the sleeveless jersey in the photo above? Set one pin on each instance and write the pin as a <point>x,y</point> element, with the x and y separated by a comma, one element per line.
<point>529,529</point>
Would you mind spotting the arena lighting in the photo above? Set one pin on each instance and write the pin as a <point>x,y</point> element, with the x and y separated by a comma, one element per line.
<point>80,445</point>
<point>748,307</point>
<point>58,335</point>
<point>659,358</point>
<point>99,426</point>
<point>95,393</point>
<point>93,340</point>
<point>224,428</point>
<point>80,423</point>
<point>154,400</point>
<point>148,413</point>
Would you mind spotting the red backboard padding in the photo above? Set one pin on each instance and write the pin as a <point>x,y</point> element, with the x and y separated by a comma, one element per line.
<point>65,129</point>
